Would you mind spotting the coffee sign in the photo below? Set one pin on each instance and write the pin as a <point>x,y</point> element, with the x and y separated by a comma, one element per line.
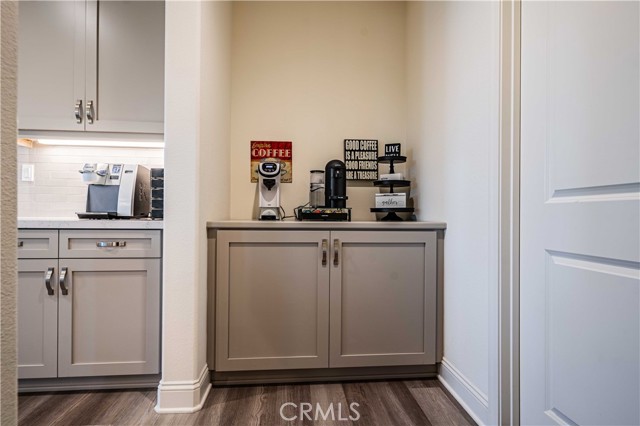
<point>361,159</point>
<point>273,150</point>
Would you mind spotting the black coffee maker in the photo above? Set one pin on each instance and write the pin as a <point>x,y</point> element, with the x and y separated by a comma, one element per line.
<point>335,179</point>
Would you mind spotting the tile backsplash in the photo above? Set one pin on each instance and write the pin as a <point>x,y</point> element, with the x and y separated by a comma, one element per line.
<point>57,190</point>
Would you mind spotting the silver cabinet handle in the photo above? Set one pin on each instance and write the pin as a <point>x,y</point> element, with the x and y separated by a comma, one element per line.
<point>47,281</point>
<point>325,248</point>
<point>78,111</point>
<point>336,248</point>
<point>89,111</point>
<point>20,244</point>
<point>63,279</point>
<point>103,244</point>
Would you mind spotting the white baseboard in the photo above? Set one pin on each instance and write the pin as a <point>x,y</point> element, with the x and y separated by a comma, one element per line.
<point>474,402</point>
<point>183,396</point>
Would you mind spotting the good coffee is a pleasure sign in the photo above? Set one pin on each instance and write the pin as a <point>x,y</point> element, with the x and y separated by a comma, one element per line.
<point>361,159</point>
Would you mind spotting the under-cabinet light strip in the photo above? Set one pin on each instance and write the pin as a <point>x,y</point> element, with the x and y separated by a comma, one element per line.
<point>105,143</point>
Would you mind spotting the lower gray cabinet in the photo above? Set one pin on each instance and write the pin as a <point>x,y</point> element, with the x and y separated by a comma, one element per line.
<point>109,317</point>
<point>37,318</point>
<point>272,300</point>
<point>383,298</point>
<point>293,299</point>
<point>95,316</point>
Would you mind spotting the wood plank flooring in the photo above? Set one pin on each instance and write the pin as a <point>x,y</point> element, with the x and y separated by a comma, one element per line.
<point>381,403</point>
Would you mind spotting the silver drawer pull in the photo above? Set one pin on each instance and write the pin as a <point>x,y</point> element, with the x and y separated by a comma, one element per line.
<point>103,244</point>
<point>78,111</point>
<point>47,281</point>
<point>325,247</point>
<point>63,282</point>
<point>89,112</point>
<point>20,243</point>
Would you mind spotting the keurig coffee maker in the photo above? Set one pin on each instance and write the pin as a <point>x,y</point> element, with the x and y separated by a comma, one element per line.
<point>335,184</point>
<point>269,172</point>
<point>116,191</point>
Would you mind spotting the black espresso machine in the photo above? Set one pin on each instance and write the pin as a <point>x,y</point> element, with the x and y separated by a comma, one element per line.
<point>335,196</point>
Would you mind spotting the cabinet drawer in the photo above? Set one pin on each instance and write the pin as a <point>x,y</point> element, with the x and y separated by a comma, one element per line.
<point>109,244</point>
<point>37,244</point>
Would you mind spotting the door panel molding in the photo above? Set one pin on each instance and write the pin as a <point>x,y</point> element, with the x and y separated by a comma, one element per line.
<point>585,297</point>
<point>619,192</point>
<point>596,264</point>
<point>559,418</point>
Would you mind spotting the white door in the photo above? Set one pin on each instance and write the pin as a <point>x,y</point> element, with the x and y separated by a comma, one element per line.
<point>580,214</point>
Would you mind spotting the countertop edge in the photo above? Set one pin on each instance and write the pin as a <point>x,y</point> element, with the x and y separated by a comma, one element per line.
<point>62,223</point>
<point>369,225</point>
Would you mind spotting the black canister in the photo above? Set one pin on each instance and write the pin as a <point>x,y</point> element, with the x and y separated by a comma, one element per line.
<point>335,183</point>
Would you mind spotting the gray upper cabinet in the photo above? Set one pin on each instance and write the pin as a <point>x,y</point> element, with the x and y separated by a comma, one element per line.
<point>51,58</point>
<point>125,66</point>
<point>91,66</point>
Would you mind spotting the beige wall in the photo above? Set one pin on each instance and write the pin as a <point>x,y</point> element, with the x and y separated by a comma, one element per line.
<point>314,73</point>
<point>453,123</point>
<point>8,238</point>
<point>215,113</point>
<point>57,190</point>
<point>311,72</point>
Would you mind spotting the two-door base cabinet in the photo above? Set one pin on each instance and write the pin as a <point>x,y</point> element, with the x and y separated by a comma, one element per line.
<point>88,304</point>
<point>294,296</point>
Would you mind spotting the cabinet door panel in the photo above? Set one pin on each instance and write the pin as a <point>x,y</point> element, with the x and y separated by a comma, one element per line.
<point>37,320</point>
<point>383,299</point>
<point>109,321</point>
<point>50,64</point>
<point>272,300</point>
<point>125,66</point>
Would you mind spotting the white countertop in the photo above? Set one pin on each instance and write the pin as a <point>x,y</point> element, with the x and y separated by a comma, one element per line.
<point>295,224</point>
<point>75,223</point>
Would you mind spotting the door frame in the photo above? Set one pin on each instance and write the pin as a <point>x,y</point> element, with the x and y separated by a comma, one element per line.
<point>505,318</point>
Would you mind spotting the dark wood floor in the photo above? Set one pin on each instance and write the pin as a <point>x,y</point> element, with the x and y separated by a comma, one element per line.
<point>384,403</point>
